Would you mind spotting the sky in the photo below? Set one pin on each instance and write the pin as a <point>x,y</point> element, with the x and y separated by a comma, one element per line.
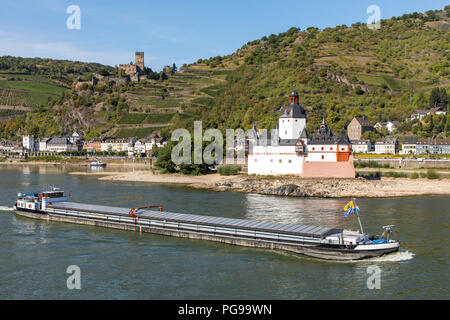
<point>170,31</point>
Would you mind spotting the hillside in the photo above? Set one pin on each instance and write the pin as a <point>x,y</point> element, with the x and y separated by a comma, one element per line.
<point>339,72</point>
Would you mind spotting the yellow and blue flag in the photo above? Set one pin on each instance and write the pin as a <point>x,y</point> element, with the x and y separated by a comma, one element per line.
<point>350,208</point>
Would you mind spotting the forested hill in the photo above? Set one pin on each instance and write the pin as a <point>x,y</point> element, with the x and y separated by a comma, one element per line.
<point>340,73</point>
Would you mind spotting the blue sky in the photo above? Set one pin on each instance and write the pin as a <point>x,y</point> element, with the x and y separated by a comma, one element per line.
<point>170,31</point>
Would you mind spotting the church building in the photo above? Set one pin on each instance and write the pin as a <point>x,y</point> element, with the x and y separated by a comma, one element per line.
<point>290,150</point>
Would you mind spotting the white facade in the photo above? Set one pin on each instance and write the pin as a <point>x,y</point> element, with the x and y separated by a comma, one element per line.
<point>28,143</point>
<point>386,146</point>
<point>274,160</point>
<point>361,146</point>
<point>326,152</point>
<point>295,153</point>
<point>290,128</point>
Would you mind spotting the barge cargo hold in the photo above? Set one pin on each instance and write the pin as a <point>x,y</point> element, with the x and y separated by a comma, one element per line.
<point>318,242</point>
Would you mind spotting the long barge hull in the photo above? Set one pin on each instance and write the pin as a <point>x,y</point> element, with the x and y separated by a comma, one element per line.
<point>303,240</point>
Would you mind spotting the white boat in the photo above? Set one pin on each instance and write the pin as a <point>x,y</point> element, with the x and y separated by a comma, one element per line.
<point>97,163</point>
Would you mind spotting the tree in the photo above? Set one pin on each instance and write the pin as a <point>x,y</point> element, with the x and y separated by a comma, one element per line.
<point>438,98</point>
<point>174,68</point>
<point>164,158</point>
<point>370,135</point>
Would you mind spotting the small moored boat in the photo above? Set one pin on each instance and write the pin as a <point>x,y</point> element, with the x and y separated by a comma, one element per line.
<point>97,163</point>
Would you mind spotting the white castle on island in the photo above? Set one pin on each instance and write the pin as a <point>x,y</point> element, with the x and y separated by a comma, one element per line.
<point>291,151</point>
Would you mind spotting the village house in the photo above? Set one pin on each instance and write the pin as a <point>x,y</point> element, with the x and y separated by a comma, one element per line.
<point>409,145</point>
<point>433,146</point>
<point>76,136</point>
<point>139,146</point>
<point>41,144</point>
<point>437,111</point>
<point>7,146</point>
<point>418,114</point>
<point>358,126</point>
<point>61,144</point>
<point>391,126</point>
<point>361,146</point>
<point>386,146</point>
<point>94,145</point>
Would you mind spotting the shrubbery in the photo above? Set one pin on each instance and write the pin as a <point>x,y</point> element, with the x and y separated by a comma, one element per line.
<point>229,169</point>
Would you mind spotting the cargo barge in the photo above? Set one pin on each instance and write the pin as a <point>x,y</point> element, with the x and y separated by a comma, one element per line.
<point>317,242</point>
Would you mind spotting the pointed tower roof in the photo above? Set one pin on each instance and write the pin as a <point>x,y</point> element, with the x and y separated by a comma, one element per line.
<point>304,134</point>
<point>294,109</point>
<point>323,135</point>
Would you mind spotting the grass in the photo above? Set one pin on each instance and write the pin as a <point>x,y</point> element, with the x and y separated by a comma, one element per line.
<point>229,169</point>
<point>159,118</point>
<point>204,101</point>
<point>393,84</point>
<point>29,90</point>
<point>370,164</point>
<point>136,132</point>
<point>212,90</point>
<point>132,118</point>
<point>432,174</point>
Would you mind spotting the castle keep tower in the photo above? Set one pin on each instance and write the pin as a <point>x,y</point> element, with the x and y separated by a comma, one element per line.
<point>139,61</point>
<point>293,120</point>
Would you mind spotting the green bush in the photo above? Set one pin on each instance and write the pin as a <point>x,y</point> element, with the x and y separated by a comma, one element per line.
<point>432,174</point>
<point>415,175</point>
<point>229,169</point>
<point>394,174</point>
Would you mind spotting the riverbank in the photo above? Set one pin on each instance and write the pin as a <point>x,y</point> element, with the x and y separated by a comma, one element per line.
<point>290,185</point>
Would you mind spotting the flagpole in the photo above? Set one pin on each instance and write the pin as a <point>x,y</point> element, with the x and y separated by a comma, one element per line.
<point>357,215</point>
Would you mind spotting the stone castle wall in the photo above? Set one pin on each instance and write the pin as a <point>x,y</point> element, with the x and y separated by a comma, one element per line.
<point>340,169</point>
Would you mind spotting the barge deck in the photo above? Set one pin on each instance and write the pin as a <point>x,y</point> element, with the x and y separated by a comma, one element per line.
<point>299,239</point>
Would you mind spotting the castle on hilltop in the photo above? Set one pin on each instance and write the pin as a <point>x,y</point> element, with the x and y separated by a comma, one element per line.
<point>291,151</point>
<point>134,70</point>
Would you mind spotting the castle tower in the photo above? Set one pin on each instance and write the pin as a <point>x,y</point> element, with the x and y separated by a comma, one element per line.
<point>293,120</point>
<point>139,61</point>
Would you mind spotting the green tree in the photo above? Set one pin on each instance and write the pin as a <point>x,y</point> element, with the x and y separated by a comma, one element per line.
<point>438,98</point>
<point>164,158</point>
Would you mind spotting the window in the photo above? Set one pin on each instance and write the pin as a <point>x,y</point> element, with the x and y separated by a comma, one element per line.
<point>314,149</point>
<point>271,160</point>
<point>290,161</point>
<point>256,160</point>
<point>280,161</point>
<point>322,148</point>
<point>331,148</point>
<point>323,157</point>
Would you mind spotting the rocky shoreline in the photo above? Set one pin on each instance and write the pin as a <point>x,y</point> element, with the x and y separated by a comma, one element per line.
<point>291,186</point>
<point>335,188</point>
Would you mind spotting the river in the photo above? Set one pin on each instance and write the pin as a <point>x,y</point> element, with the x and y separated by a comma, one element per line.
<point>119,264</point>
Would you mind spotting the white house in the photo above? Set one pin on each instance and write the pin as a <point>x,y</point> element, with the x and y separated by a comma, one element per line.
<point>60,144</point>
<point>391,126</point>
<point>361,146</point>
<point>386,146</point>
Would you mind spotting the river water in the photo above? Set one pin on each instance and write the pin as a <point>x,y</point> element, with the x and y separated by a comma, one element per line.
<point>118,264</point>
